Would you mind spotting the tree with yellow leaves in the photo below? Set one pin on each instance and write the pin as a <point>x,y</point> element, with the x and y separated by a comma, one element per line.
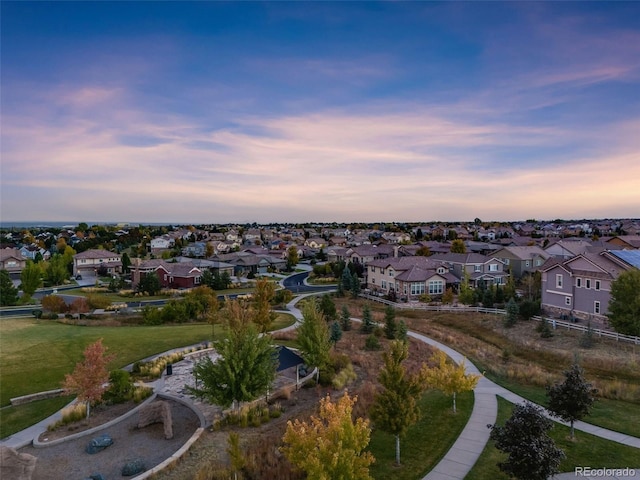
<point>331,446</point>
<point>448,377</point>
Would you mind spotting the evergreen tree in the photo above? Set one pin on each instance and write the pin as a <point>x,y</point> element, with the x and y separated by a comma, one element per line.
<point>402,331</point>
<point>624,306</point>
<point>8,293</point>
<point>511,315</point>
<point>571,400</point>
<point>345,319</point>
<point>367,325</point>
<point>390,325</point>
<point>335,333</point>
<point>466,296</point>
<point>395,407</point>
<point>346,280</point>
<point>355,286</point>
<point>532,454</point>
<point>328,308</point>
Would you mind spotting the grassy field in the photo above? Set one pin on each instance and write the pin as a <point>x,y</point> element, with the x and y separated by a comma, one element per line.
<point>426,442</point>
<point>585,450</point>
<point>115,297</point>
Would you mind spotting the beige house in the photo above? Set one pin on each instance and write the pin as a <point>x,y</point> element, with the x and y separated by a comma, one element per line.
<point>12,260</point>
<point>88,262</point>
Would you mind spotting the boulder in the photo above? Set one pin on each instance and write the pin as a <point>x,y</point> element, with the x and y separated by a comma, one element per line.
<point>95,476</point>
<point>98,444</point>
<point>157,412</point>
<point>133,468</point>
<point>16,466</point>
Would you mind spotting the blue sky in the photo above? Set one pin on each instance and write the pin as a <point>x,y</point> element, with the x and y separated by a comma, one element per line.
<point>348,111</point>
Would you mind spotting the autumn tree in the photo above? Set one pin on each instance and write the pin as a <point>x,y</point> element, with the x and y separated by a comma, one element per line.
<point>572,399</point>
<point>78,306</point>
<point>90,376</point>
<point>262,296</point>
<point>423,251</point>
<point>624,305</point>
<point>532,454</point>
<point>8,293</point>
<point>395,407</point>
<point>54,303</point>
<point>331,445</point>
<point>292,257</point>
<point>31,278</point>
<point>314,337</point>
<point>458,246</point>
<point>448,377</point>
<point>244,371</point>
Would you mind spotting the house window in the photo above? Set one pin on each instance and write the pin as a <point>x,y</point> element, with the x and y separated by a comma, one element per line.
<point>567,300</point>
<point>538,263</point>
<point>477,268</point>
<point>493,267</point>
<point>441,270</point>
<point>384,284</point>
<point>391,272</point>
<point>578,282</point>
<point>417,288</point>
<point>596,307</point>
<point>587,283</point>
<point>559,280</point>
<point>597,286</point>
<point>436,287</point>
<point>373,269</point>
<point>527,263</point>
<point>373,280</point>
<point>507,261</point>
<point>404,288</point>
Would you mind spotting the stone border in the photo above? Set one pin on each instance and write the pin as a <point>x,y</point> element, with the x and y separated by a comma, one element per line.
<point>38,444</point>
<point>33,397</point>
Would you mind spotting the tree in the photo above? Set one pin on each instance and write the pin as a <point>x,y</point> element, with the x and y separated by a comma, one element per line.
<point>346,280</point>
<point>78,306</point>
<point>236,455</point>
<point>292,257</point>
<point>511,313</point>
<point>355,285</point>
<point>345,319</point>
<point>331,445</point>
<point>466,296</point>
<point>150,284</point>
<point>244,371</point>
<point>402,331</point>
<point>572,399</point>
<point>31,278</point>
<point>533,455</point>
<point>447,296</point>
<point>390,325</point>
<point>367,325</point>
<point>56,272</point>
<point>335,332</point>
<point>448,377</point>
<point>423,251</point>
<point>89,376</point>
<point>458,246</point>
<point>262,296</point>
<point>395,407</point>
<point>126,262</point>
<point>8,293</point>
<point>624,305</point>
<point>53,303</point>
<point>328,308</point>
<point>313,337</point>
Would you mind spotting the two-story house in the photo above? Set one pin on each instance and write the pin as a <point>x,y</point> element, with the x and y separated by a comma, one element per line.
<point>409,277</point>
<point>478,268</point>
<point>520,261</point>
<point>580,287</point>
<point>89,261</point>
<point>12,260</point>
<point>170,274</point>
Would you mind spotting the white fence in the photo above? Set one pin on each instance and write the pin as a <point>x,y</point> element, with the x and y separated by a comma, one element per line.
<point>554,323</point>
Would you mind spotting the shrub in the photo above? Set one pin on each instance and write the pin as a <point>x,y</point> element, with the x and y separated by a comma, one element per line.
<point>70,414</point>
<point>372,343</point>
<point>141,393</point>
<point>95,300</point>
<point>344,377</point>
<point>120,387</point>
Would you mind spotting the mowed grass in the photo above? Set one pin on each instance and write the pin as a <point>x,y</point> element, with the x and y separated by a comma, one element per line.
<point>585,450</point>
<point>13,419</point>
<point>36,354</point>
<point>426,442</point>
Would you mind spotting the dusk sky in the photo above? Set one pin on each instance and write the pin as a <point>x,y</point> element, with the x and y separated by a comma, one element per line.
<point>349,111</point>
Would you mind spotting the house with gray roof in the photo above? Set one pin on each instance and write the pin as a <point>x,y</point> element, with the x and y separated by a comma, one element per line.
<point>520,261</point>
<point>479,268</point>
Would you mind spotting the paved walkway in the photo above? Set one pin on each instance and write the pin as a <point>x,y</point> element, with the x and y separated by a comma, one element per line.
<point>464,453</point>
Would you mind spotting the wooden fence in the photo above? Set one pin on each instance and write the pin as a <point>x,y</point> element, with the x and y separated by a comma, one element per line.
<point>554,323</point>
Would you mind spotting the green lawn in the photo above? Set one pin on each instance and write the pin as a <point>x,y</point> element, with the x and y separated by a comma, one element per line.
<point>586,450</point>
<point>426,442</point>
<point>114,297</point>
<point>614,415</point>
<point>14,419</point>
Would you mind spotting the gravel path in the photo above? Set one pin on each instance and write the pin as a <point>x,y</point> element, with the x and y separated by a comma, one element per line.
<point>69,460</point>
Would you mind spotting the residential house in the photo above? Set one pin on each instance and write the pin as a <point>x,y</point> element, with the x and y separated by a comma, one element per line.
<point>161,244</point>
<point>30,252</point>
<point>567,248</point>
<point>479,268</point>
<point>170,274</point>
<point>214,266</point>
<point>247,262</point>
<point>195,249</point>
<point>625,241</point>
<point>580,287</point>
<point>89,261</point>
<point>408,277</point>
<point>12,260</point>
<point>521,261</point>
<point>315,242</point>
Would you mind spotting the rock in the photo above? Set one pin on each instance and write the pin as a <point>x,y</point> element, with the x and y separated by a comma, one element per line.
<point>157,412</point>
<point>95,476</point>
<point>16,466</point>
<point>98,444</point>
<point>133,468</point>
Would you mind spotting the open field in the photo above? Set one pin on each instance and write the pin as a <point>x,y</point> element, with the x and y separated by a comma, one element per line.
<point>585,450</point>
<point>36,354</point>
